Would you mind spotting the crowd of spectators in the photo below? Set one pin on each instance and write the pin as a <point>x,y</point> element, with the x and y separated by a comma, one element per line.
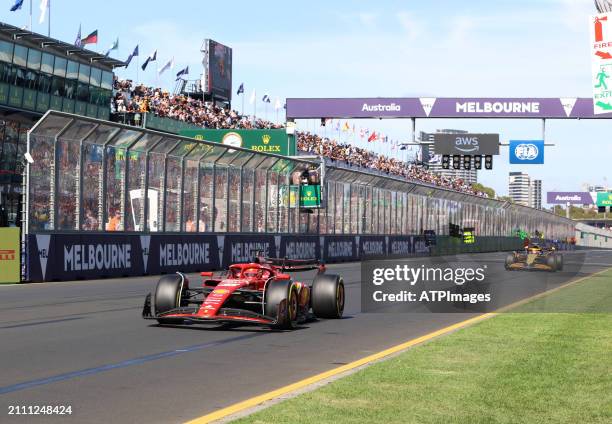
<point>130,98</point>
<point>355,156</point>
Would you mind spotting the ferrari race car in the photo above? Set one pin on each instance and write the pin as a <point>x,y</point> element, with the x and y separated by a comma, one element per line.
<point>535,257</point>
<point>256,293</point>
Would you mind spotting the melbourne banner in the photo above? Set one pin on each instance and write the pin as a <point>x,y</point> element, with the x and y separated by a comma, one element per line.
<point>87,256</point>
<point>266,141</point>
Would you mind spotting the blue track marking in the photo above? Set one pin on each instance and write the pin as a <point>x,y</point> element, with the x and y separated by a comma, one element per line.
<point>122,364</point>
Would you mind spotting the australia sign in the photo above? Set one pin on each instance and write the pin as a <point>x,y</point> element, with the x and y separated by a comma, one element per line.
<point>571,197</point>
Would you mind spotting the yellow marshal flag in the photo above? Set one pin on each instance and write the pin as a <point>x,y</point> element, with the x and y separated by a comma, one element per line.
<point>9,255</point>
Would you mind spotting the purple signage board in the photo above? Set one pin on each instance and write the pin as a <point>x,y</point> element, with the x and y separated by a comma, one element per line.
<point>447,107</point>
<point>571,197</point>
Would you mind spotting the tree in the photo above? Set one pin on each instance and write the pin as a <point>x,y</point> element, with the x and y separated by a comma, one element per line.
<point>505,199</point>
<point>484,189</point>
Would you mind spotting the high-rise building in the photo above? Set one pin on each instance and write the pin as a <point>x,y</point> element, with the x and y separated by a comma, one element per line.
<point>469,176</point>
<point>519,188</point>
<point>525,191</point>
<point>536,194</point>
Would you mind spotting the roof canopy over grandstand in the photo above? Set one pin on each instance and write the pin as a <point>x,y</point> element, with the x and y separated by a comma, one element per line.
<point>94,175</point>
<point>44,42</point>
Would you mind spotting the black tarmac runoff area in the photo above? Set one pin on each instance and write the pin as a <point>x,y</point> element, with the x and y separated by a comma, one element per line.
<point>84,344</point>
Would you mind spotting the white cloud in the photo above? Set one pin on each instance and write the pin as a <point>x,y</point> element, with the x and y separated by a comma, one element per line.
<point>411,26</point>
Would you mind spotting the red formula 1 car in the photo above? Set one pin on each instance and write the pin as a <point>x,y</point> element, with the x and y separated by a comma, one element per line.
<point>256,293</point>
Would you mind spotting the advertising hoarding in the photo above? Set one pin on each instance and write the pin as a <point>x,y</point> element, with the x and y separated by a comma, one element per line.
<point>443,107</point>
<point>604,199</point>
<point>10,259</point>
<point>527,152</point>
<point>571,197</point>
<point>466,144</point>
<point>264,141</point>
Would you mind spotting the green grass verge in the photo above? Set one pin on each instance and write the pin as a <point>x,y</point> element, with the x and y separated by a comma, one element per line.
<point>513,368</point>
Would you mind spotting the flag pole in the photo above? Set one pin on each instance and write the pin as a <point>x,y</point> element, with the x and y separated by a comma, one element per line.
<point>49,22</point>
<point>242,110</point>
<point>31,16</point>
<point>137,66</point>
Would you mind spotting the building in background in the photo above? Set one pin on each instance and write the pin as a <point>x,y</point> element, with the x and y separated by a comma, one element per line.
<point>469,176</point>
<point>519,188</point>
<point>536,194</point>
<point>525,191</point>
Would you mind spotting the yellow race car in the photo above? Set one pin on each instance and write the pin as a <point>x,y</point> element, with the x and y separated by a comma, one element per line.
<point>535,257</point>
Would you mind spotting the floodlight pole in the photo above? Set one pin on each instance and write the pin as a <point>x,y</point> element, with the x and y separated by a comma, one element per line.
<point>544,129</point>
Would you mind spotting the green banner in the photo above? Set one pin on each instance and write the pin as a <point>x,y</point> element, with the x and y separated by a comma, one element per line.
<point>604,199</point>
<point>265,141</point>
<point>310,196</point>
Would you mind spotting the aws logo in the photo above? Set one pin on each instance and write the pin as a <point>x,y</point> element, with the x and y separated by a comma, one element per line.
<point>467,144</point>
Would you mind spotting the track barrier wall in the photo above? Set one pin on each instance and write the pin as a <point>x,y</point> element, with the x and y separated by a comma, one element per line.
<point>59,257</point>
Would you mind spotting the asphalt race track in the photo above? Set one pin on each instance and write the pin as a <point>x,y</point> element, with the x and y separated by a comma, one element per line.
<point>84,344</point>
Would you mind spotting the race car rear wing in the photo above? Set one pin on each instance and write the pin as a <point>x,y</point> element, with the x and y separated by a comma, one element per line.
<point>284,264</point>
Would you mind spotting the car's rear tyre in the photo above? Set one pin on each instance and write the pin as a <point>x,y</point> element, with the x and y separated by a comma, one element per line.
<point>551,262</point>
<point>169,295</point>
<point>509,261</point>
<point>328,296</point>
<point>559,262</point>
<point>281,303</point>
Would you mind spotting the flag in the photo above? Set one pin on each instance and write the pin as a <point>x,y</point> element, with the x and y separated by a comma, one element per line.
<point>240,89</point>
<point>338,125</point>
<point>113,46</point>
<point>361,133</point>
<point>152,58</point>
<point>353,130</point>
<point>252,99</point>
<point>44,4</point>
<point>372,137</point>
<point>91,38</point>
<point>277,104</point>
<point>129,59</point>
<point>168,65</point>
<point>78,41</point>
<point>182,72</point>
<point>17,5</point>
<point>265,98</point>
<point>346,126</point>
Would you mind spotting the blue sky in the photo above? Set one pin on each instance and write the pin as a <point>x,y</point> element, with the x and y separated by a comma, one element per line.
<point>356,48</point>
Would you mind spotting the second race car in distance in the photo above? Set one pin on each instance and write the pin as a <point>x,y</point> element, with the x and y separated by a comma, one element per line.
<point>535,257</point>
<point>256,293</point>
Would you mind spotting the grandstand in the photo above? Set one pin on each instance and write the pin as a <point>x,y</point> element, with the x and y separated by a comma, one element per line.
<point>39,73</point>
